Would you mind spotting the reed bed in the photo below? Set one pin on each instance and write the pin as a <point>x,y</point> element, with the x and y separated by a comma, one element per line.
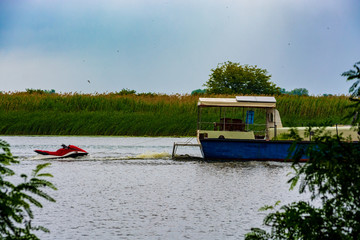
<point>139,115</point>
<point>311,110</point>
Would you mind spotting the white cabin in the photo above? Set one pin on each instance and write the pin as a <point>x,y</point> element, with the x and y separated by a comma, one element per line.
<point>240,124</point>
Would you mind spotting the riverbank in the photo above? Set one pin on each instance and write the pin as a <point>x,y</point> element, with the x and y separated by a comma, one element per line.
<point>140,115</point>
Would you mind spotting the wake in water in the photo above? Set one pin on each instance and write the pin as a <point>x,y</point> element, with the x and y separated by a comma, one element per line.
<point>153,155</point>
<point>147,155</point>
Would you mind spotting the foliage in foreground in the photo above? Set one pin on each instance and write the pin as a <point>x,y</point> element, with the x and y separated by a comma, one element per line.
<point>332,177</point>
<point>354,75</point>
<point>16,200</point>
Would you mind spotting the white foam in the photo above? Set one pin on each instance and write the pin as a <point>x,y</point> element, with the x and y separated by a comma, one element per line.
<point>153,155</point>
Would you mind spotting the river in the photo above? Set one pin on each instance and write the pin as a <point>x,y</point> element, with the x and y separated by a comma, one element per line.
<point>130,188</point>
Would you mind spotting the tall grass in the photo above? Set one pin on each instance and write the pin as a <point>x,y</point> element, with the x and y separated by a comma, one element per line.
<point>87,102</point>
<point>144,115</point>
<point>101,114</point>
<point>310,110</point>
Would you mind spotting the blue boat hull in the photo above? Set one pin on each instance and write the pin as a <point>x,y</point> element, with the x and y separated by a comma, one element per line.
<point>248,150</point>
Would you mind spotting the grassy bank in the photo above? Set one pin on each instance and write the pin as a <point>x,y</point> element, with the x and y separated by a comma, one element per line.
<point>144,115</point>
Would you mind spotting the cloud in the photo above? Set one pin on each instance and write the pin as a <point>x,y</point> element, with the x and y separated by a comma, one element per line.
<point>170,46</point>
<point>25,69</point>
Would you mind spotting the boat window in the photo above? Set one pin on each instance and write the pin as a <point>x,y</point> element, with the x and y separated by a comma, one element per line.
<point>270,117</point>
<point>250,117</point>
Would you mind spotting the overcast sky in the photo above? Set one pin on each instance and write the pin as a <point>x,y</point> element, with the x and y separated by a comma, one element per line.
<point>170,46</point>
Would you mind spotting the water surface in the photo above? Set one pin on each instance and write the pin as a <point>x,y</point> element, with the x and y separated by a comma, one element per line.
<point>129,188</point>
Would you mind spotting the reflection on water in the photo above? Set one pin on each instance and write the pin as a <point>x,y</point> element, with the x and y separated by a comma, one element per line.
<point>112,195</point>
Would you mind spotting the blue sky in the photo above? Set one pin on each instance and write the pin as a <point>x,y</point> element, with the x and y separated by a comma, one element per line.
<point>170,46</point>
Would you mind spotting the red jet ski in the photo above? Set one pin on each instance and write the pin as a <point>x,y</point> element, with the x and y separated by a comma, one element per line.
<point>65,151</point>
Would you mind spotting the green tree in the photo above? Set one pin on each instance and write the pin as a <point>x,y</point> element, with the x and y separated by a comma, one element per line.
<point>299,92</point>
<point>332,177</point>
<point>354,93</point>
<point>126,91</point>
<point>354,75</point>
<point>296,91</point>
<point>233,78</point>
<point>198,92</point>
<point>16,200</point>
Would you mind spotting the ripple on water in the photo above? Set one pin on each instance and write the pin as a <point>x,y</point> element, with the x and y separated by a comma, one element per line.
<point>110,196</point>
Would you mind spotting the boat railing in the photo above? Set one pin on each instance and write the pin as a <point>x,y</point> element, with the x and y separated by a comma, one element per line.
<point>232,125</point>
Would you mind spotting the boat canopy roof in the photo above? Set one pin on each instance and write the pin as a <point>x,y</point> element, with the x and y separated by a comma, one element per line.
<point>239,101</point>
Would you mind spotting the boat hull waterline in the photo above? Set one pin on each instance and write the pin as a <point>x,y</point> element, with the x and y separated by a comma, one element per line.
<point>247,150</point>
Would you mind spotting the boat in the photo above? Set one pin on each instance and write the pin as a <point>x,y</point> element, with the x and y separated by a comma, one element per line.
<point>64,152</point>
<point>226,130</point>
